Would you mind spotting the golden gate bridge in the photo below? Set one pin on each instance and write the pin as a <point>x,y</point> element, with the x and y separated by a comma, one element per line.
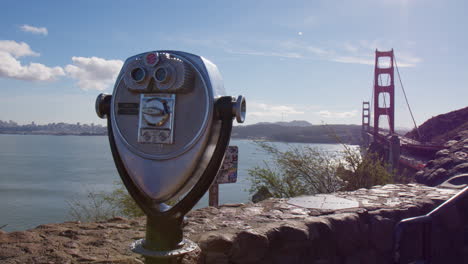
<point>400,151</point>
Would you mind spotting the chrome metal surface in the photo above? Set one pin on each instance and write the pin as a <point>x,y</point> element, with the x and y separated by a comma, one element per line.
<point>239,109</point>
<point>166,152</point>
<point>98,105</point>
<point>200,107</point>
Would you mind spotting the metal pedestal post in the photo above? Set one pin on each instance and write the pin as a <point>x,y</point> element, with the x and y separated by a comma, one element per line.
<point>164,242</point>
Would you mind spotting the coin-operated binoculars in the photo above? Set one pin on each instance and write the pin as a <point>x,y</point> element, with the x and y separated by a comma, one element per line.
<point>169,124</point>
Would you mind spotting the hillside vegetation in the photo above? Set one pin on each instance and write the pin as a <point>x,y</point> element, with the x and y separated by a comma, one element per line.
<point>350,134</point>
<point>441,128</point>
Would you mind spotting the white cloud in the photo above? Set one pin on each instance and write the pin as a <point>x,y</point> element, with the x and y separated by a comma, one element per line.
<point>407,60</point>
<point>16,49</point>
<point>361,52</point>
<point>317,51</point>
<point>35,30</point>
<point>353,52</point>
<point>93,73</point>
<point>350,47</point>
<point>330,114</point>
<point>257,109</point>
<point>11,67</point>
<point>301,47</point>
<point>291,55</point>
<point>353,59</point>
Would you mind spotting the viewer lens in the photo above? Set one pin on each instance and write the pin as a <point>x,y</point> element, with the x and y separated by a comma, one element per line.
<point>138,74</point>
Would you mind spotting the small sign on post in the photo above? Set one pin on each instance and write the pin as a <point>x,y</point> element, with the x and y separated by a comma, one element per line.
<point>226,174</point>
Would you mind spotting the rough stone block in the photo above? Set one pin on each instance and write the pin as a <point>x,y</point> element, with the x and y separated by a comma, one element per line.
<point>381,233</point>
<point>321,238</point>
<point>346,232</point>
<point>249,247</point>
<point>288,244</point>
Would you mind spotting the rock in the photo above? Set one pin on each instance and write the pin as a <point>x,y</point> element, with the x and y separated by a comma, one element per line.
<point>381,233</point>
<point>245,241</point>
<point>460,156</point>
<point>271,231</point>
<point>443,163</point>
<point>450,143</point>
<point>291,233</point>
<point>420,176</point>
<point>288,243</point>
<point>118,219</point>
<point>321,237</point>
<point>442,153</point>
<point>70,244</point>
<point>460,168</point>
<point>215,242</point>
<point>215,247</point>
<point>346,232</point>
<point>262,194</point>
<point>123,260</point>
<point>73,234</point>
<point>447,159</point>
<point>437,176</point>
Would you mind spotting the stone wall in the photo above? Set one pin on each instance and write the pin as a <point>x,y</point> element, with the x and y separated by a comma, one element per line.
<point>272,231</point>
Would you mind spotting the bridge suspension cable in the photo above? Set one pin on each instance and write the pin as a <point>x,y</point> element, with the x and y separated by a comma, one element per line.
<point>406,98</point>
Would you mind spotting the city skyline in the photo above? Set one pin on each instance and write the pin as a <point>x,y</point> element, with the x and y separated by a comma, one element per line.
<point>307,60</point>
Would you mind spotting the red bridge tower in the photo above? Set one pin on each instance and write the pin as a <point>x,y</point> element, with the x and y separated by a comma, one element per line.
<point>384,70</point>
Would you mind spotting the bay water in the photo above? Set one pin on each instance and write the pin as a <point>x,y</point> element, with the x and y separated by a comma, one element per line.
<point>40,174</point>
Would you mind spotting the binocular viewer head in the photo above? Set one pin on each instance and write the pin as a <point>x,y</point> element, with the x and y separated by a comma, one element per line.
<point>165,121</point>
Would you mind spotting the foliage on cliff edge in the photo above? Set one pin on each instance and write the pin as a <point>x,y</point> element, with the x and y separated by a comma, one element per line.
<point>307,170</point>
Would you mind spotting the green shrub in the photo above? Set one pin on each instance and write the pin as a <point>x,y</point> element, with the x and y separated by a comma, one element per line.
<point>359,171</point>
<point>123,202</point>
<point>101,206</point>
<point>94,209</point>
<point>296,171</point>
<point>305,170</point>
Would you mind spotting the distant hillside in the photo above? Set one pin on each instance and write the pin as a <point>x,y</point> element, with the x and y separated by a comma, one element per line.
<point>442,128</point>
<point>294,123</point>
<point>350,134</point>
<point>294,131</point>
<point>11,127</point>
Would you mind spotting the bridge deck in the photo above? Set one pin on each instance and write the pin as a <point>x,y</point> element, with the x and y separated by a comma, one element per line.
<point>408,142</point>
<point>414,154</point>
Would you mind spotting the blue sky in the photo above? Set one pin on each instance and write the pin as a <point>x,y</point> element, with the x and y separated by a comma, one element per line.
<point>292,60</point>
